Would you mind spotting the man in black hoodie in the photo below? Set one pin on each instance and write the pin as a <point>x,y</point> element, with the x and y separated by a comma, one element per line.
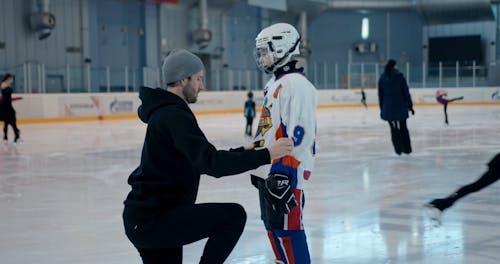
<point>160,214</point>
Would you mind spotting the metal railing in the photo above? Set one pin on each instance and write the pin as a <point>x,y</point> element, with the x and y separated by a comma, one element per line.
<point>365,75</point>
<point>40,78</point>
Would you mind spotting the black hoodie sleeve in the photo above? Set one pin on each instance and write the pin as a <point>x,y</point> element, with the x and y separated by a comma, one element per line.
<point>190,140</point>
<point>238,149</point>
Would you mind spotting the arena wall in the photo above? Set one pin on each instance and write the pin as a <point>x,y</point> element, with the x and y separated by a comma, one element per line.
<point>106,106</point>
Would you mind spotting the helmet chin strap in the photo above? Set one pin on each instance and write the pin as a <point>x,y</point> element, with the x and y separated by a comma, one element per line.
<point>270,68</point>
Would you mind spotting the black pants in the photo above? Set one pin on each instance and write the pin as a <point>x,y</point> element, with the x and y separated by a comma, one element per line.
<point>159,235</point>
<point>445,108</point>
<point>488,178</point>
<point>363,101</point>
<point>12,123</point>
<point>400,137</point>
<point>248,128</point>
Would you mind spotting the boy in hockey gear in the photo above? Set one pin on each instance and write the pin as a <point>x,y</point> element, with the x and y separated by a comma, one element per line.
<point>442,98</point>
<point>160,214</point>
<point>488,178</point>
<point>289,110</point>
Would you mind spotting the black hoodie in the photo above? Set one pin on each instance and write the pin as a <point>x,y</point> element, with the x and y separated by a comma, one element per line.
<point>176,152</point>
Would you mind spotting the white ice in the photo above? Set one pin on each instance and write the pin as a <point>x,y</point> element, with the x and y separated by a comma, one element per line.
<point>61,192</point>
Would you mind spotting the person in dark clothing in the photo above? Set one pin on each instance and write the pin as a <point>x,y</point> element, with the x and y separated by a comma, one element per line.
<point>7,112</point>
<point>395,102</point>
<point>249,113</point>
<point>160,214</point>
<point>489,177</point>
<point>363,98</point>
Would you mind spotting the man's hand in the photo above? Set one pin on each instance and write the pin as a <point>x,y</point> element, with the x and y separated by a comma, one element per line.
<point>282,147</point>
<point>248,146</point>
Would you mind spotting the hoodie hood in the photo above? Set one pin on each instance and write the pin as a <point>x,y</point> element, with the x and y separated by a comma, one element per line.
<point>155,98</point>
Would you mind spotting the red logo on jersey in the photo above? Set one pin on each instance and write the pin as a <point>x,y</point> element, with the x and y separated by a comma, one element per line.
<point>277,91</point>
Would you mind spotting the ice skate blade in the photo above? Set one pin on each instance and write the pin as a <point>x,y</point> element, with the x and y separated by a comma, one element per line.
<point>434,213</point>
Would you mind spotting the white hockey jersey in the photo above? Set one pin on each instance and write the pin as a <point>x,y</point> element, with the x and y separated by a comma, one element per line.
<point>289,110</point>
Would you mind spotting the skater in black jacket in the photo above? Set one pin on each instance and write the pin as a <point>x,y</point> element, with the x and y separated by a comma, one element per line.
<point>395,102</point>
<point>160,214</point>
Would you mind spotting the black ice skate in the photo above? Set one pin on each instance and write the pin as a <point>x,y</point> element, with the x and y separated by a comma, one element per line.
<point>437,206</point>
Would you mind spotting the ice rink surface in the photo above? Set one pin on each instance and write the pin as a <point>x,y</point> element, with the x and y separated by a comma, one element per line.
<point>61,192</point>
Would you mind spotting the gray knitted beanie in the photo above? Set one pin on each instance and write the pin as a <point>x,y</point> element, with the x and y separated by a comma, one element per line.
<point>180,64</point>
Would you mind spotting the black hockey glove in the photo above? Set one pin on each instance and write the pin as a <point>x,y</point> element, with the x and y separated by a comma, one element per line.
<point>277,192</point>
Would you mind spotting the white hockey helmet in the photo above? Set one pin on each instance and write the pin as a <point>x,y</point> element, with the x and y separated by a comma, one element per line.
<point>275,46</point>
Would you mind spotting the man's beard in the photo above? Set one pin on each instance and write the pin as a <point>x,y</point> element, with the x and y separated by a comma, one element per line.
<point>191,98</point>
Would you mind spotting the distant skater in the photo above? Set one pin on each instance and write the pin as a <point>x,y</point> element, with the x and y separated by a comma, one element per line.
<point>442,98</point>
<point>7,112</point>
<point>249,111</point>
<point>363,98</point>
